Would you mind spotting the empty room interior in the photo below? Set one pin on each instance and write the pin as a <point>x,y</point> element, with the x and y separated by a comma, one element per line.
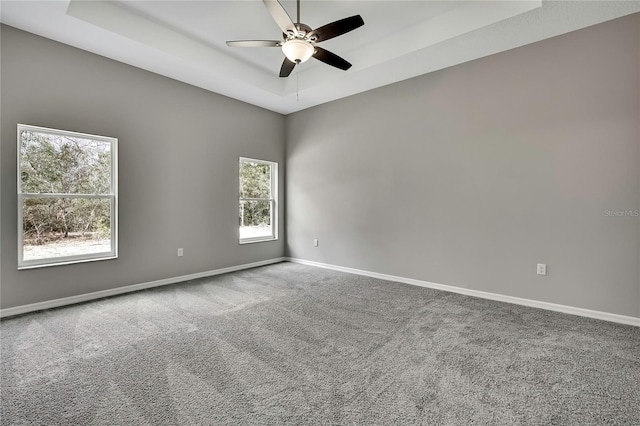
<point>319,212</point>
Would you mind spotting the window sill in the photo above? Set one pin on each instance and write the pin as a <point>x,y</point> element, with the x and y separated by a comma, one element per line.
<point>65,262</point>
<point>257,240</point>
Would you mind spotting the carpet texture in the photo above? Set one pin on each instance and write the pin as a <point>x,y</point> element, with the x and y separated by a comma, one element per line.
<point>293,344</point>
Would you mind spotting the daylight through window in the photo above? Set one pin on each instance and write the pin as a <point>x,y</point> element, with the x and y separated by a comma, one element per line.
<point>67,194</point>
<point>258,196</point>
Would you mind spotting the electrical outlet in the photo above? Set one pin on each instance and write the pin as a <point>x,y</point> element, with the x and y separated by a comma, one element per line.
<point>315,243</point>
<point>542,269</point>
<point>180,252</point>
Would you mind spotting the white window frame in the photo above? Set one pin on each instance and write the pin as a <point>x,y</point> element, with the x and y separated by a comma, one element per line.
<point>273,200</point>
<point>113,197</point>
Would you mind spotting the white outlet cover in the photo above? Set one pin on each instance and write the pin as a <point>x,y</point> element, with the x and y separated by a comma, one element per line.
<point>542,269</point>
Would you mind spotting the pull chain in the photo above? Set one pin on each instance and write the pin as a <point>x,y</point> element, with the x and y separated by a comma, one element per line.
<point>298,68</point>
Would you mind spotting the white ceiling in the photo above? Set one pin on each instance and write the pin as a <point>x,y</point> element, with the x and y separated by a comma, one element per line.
<point>185,40</point>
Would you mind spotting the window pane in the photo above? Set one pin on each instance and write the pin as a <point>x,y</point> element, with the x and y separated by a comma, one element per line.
<point>255,219</point>
<point>60,227</point>
<point>53,163</point>
<point>255,180</point>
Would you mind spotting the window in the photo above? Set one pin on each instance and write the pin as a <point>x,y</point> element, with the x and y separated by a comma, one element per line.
<point>258,197</point>
<point>67,195</point>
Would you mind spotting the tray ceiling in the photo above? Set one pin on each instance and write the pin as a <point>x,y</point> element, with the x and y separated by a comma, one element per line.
<point>185,40</point>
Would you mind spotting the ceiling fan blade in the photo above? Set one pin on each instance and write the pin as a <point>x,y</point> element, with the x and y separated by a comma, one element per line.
<point>287,67</point>
<point>330,58</point>
<point>336,28</point>
<point>254,43</point>
<point>281,16</point>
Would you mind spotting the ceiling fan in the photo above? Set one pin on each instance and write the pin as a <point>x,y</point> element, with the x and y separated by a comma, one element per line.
<point>300,40</point>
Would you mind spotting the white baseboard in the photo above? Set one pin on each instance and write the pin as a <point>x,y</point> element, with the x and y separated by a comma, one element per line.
<point>622,319</point>
<point>17,310</point>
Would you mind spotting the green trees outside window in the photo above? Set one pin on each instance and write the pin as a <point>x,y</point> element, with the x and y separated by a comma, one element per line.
<point>257,200</point>
<point>67,196</point>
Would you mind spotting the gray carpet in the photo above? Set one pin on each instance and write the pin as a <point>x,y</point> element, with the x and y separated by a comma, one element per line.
<point>292,344</point>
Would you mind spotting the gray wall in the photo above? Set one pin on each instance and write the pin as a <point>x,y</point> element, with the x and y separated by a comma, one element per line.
<point>472,175</point>
<point>468,177</point>
<point>178,157</point>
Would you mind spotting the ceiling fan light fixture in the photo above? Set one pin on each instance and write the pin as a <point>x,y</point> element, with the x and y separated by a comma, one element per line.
<point>297,50</point>
<point>300,40</point>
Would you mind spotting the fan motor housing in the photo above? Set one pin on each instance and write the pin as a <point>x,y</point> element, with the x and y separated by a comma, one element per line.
<point>303,32</point>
